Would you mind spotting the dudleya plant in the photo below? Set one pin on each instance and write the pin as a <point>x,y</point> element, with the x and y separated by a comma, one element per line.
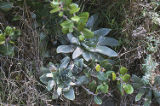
<point>90,45</point>
<point>83,41</point>
<point>61,78</point>
<point>86,44</point>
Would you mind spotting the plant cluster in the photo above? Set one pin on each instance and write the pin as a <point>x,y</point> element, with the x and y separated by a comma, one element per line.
<point>90,63</point>
<point>148,85</point>
<point>7,40</point>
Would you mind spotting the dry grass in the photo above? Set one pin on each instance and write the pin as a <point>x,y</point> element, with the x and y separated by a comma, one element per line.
<point>19,83</point>
<point>19,75</point>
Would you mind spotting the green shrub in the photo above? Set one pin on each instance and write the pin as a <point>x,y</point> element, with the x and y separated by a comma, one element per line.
<point>89,65</point>
<point>7,40</point>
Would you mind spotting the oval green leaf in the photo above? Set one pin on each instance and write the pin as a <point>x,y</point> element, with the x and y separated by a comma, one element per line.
<point>65,49</point>
<point>97,100</point>
<point>70,94</point>
<point>107,41</point>
<point>123,70</point>
<point>106,51</point>
<point>78,52</point>
<point>102,32</point>
<point>128,88</point>
<point>126,77</point>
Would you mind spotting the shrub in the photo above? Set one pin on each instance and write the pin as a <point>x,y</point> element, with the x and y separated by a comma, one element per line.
<point>7,40</point>
<point>88,66</point>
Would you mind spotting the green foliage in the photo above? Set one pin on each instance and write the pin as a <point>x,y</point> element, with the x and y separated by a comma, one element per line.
<point>126,77</point>
<point>139,95</point>
<point>98,68</point>
<point>114,76</point>
<point>73,8</point>
<point>88,64</point>
<point>123,81</point>
<point>7,40</point>
<point>147,85</point>
<point>61,78</point>
<point>102,88</point>
<point>67,26</point>
<point>146,90</point>
<point>128,88</point>
<point>89,49</point>
<point>83,41</point>
<point>97,100</point>
<point>149,66</point>
<point>152,44</point>
<point>123,70</point>
<point>69,94</point>
<point>6,6</point>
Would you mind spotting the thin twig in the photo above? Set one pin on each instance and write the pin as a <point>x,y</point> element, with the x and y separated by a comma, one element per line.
<point>89,92</point>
